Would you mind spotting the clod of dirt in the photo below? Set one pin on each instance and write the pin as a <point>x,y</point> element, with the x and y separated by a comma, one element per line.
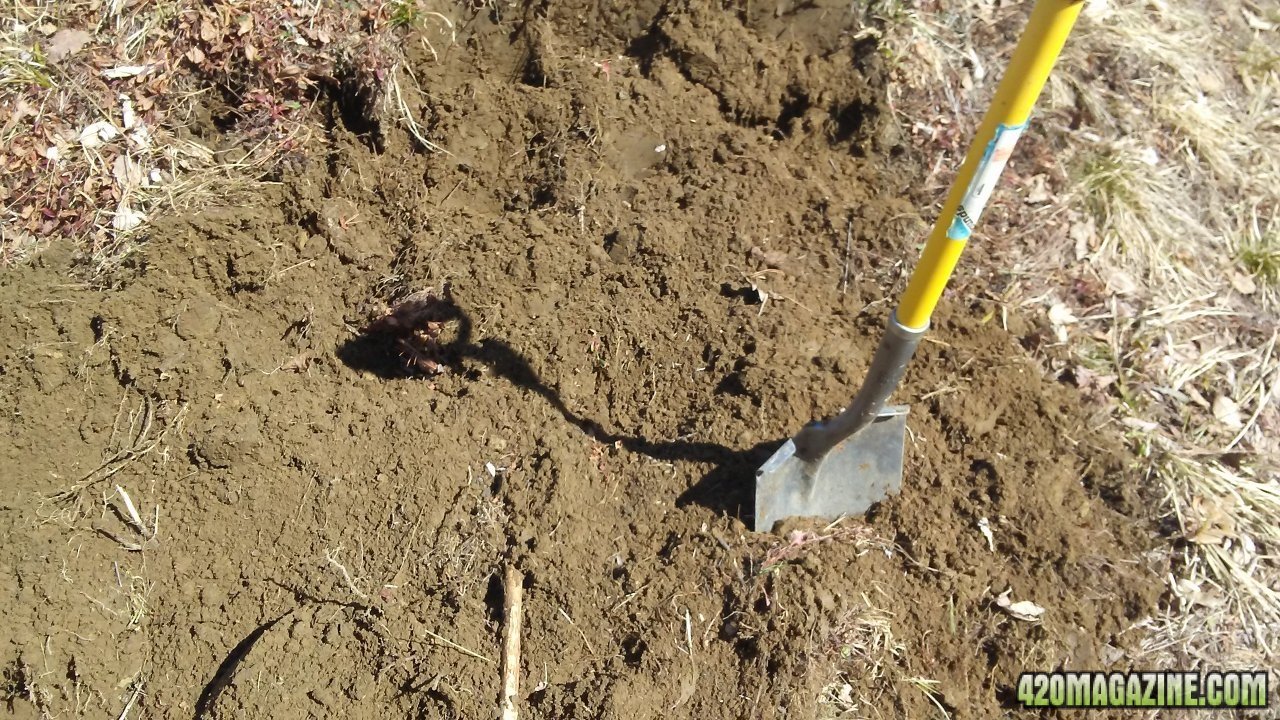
<point>228,442</point>
<point>352,237</point>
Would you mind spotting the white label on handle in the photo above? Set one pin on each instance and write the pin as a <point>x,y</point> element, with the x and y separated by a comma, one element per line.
<point>984,181</point>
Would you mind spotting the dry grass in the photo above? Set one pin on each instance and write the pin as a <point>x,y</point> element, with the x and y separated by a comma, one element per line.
<point>1161,244</point>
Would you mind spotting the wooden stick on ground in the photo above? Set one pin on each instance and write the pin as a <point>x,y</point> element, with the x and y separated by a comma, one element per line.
<point>514,610</point>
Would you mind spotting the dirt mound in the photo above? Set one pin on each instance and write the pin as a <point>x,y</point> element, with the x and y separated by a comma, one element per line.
<point>656,242</point>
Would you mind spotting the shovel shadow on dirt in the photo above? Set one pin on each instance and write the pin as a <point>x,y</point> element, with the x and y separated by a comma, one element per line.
<point>727,488</point>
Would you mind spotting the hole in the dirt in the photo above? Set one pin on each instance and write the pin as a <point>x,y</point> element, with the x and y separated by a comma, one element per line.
<point>611,240</point>
<point>669,547</point>
<point>747,294</point>
<point>775,667</point>
<point>544,196</point>
<point>852,118</point>
<point>1007,697</point>
<point>356,103</point>
<point>645,48</point>
<point>729,630</point>
<point>435,704</point>
<point>794,107</point>
<point>904,541</point>
<point>748,649</point>
<point>536,144</point>
<point>992,652</point>
<point>412,338</point>
<point>533,74</point>
<point>493,599</point>
<point>731,384</point>
<point>225,122</point>
<point>376,354</point>
<point>633,650</point>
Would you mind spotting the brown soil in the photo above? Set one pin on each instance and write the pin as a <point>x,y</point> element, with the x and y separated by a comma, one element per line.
<point>645,277</point>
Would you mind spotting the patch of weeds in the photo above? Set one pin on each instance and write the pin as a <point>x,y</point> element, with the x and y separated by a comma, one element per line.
<point>1258,61</point>
<point>402,13</point>
<point>1261,258</point>
<point>1107,181</point>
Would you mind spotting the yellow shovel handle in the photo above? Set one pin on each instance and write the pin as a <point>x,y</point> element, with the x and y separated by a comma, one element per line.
<point>1034,57</point>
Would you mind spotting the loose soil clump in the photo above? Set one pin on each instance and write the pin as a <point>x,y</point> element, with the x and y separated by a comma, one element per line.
<point>656,242</point>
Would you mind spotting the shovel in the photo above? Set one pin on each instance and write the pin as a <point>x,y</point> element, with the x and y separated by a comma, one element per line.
<point>845,465</point>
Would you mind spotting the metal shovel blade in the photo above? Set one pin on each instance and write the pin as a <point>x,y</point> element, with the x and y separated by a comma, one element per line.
<point>860,471</point>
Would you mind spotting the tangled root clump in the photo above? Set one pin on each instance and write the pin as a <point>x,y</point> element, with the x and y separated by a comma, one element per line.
<point>414,325</point>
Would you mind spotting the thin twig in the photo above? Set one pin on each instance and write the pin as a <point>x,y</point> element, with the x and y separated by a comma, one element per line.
<point>137,690</point>
<point>450,644</point>
<point>848,251</point>
<point>514,610</point>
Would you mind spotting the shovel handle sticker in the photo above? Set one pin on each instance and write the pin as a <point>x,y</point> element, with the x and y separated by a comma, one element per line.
<point>984,180</point>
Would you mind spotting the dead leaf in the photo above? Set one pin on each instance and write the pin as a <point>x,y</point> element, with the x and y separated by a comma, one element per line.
<point>1038,190</point>
<point>1121,282</point>
<point>127,218</point>
<point>984,527</point>
<point>127,173</point>
<point>1097,10</point>
<point>208,31</point>
<point>1209,523</point>
<point>195,55</point>
<point>1085,235</point>
<point>1227,412</point>
<point>128,117</point>
<point>1092,382</point>
<point>124,71</point>
<point>1193,592</point>
<point>1060,314</point>
<point>96,134</point>
<point>65,43</point>
<point>1022,610</point>
<point>298,363</point>
<point>1258,23</point>
<point>1243,284</point>
<point>1140,424</point>
<point>769,258</point>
